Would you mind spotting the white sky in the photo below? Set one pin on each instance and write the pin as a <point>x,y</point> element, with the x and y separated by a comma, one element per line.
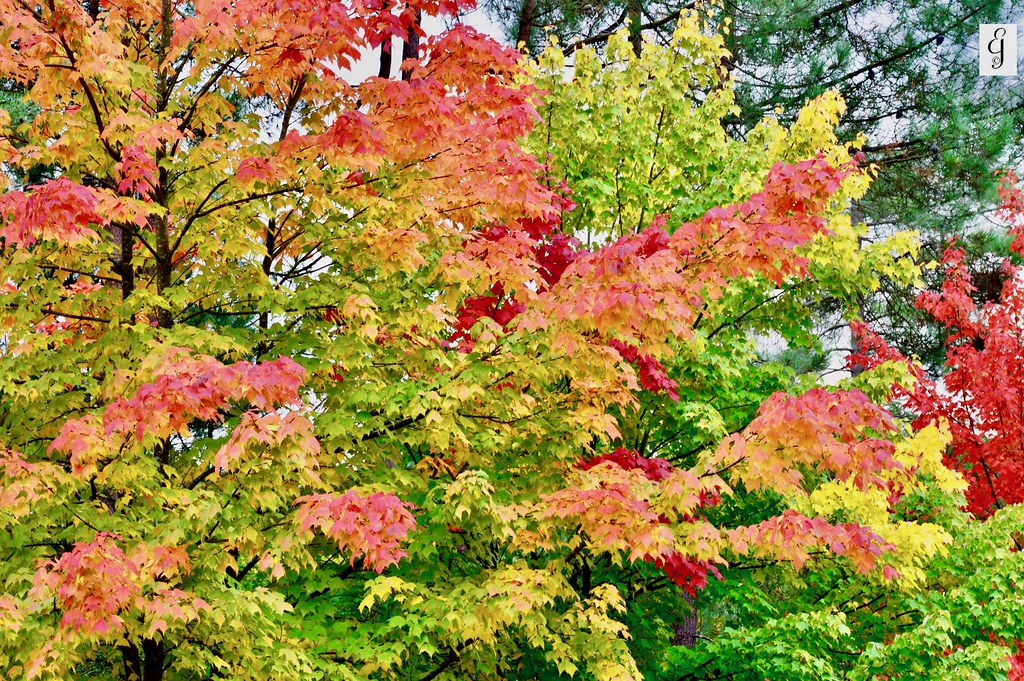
<point>370,63</point>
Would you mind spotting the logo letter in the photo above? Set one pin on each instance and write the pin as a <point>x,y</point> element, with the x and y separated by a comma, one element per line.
<point>997,49</point>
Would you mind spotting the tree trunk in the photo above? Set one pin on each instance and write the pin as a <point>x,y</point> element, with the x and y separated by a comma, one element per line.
<point>146,664</point>
<point>122,260</point>
<point>856,216</point>
<point>636,38</point>
<point>153,657</point>
<point>385,47</point>
<point>686,631</point>
<point>525,26</point>
<point>411,46</point>
<point>385,59</point>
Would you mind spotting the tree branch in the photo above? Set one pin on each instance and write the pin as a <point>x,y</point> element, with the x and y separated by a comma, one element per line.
<point>603,37</point>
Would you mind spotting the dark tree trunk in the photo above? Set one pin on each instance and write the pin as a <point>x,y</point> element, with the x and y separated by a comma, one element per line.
<point>153,656</point>
<point>385,47</point>
<point>686,631</point>
<point>856,217</point>
<point>411,46</point>
<point>636,38</point>
<point>122,260</point>
<point>146,664</point>
<point>385,59</point>
<point>525,26</point>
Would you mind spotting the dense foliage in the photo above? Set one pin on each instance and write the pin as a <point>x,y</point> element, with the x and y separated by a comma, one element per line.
<point>908,70</point>
<point>436,378</point>
<point>979,396</point>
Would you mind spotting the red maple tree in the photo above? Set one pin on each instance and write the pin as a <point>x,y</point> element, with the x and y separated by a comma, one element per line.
<point>981,396</point>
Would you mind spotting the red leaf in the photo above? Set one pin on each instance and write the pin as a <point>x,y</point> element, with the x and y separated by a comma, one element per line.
<point>371,527</point>
<point>57,209</point>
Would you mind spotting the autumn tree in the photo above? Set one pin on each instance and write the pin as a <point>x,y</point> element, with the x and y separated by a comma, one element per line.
<point>307,378</point>
<point>763,618</point>
<point>962,621</point>
<point>968,619</point>
<point>908,72</point>
<point>979,395</point>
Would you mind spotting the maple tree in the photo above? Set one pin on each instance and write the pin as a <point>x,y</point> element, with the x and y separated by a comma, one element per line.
<point>968,619</point>
<point>309,378</point>
<point>979,395</point>
<point>828,624</point>
<point>907,71</point>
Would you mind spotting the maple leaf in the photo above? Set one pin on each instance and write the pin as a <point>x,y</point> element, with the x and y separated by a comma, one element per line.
<point>790,536</point>
<point>188,388</point>
<point>93,582</point>
<point>230,205</point>
<point>268,431</point>
<point>369,527</point>
<point>24,482</point>
<point>57,209</point>
<point>653,276</point>
<point>652,373</point>
<point>138,171</point>
<point>628,459</point>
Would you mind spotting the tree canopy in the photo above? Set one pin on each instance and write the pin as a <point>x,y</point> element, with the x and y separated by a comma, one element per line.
<point>937,132</point>
<point>447,375</point>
